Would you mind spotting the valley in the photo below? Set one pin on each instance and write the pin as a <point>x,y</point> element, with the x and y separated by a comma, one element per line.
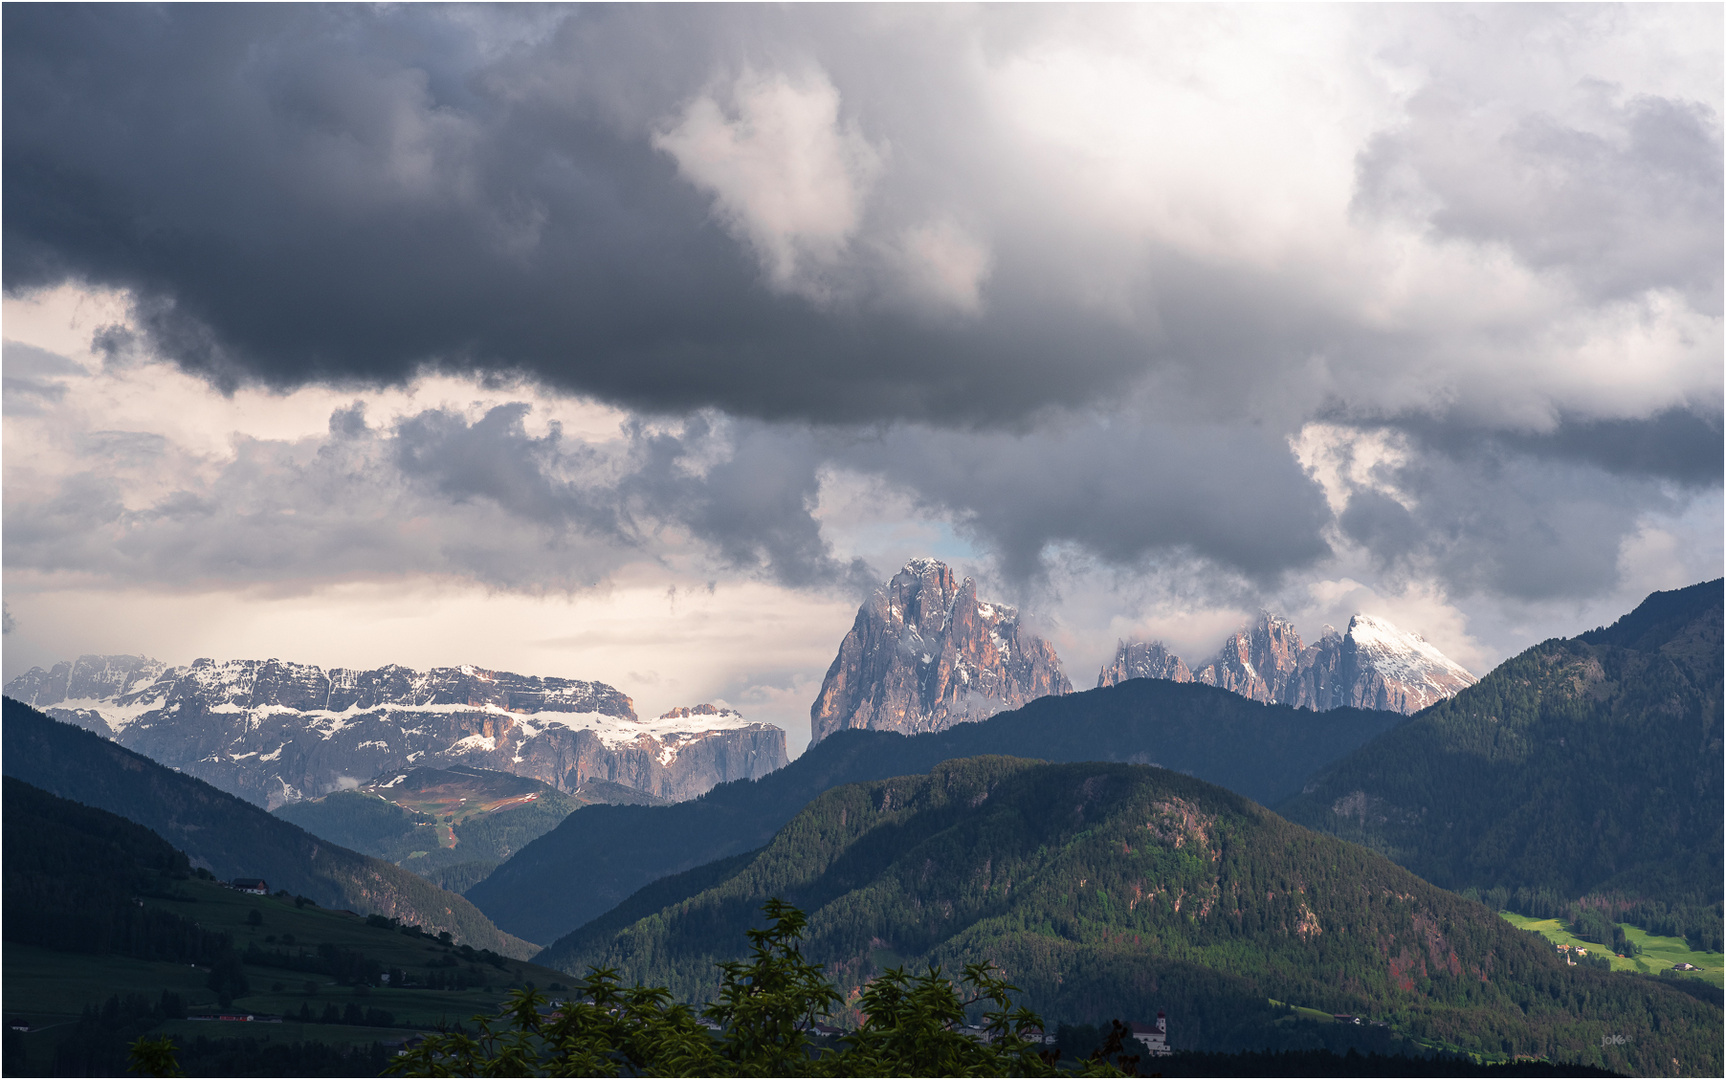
<point>1109,849</point>
<point>451,826</point>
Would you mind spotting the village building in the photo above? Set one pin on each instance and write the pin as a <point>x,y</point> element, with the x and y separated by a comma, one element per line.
<point>1154,1038</point>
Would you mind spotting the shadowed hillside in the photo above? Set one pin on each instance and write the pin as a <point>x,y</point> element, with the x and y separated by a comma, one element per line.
<point>601,854</point>
<point>1583,766</point>
<point>1118,890</point>
<point>228,835</point>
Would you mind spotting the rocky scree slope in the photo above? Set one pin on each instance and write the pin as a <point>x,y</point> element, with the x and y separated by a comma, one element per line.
<point>275,732</point>
<point>229,836</point>
<point>925,653</point>
<point>1586,765</point>
<point>1116,890</point>
<point>601,854</point>
<point>1371,666</point>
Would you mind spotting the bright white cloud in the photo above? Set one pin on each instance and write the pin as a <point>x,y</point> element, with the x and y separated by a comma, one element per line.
<point>788,175</point>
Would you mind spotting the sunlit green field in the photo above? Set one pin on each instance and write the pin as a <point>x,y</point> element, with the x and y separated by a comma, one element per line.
<point>1658,953</point>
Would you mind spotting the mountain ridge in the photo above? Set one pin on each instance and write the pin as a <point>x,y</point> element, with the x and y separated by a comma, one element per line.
<point>227,835</point>
<point>1114,890</point>
<point>1581,765</point>
<point>599,855</point>
<point>1372,665</point>
<point>274,732</point>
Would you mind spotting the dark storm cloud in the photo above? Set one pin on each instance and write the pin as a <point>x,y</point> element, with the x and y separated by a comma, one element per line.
<point>299,194</point>
<point>754,505</point>
<point>1117,488</point>
<point>290,199</point>
<point>1487,518</point>
<point>746,491</point>
<point>1677,445</point>
<point>495,459</point>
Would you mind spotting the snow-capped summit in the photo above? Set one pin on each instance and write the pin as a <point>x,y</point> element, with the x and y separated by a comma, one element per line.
<point>1371,666</point>
<point>1386,668</point>
<point>274,732</point>
<point>926,653</point>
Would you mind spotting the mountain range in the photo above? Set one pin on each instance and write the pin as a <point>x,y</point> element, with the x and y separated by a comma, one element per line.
<point>601,854</point>
<point>926,652</point>
<point>1583,766</point>
<point>227,835</point>
<point>1371,666</point>
<point>1121,890</point>
<point>275,732</point>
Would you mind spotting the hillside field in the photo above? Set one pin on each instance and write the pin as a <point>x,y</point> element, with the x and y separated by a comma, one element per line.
<point>1658,953</point>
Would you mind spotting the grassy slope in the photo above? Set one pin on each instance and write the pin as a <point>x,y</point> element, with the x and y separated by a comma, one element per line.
<point>1584,765</point>
<point>602,854</point>
<point>230,836</point>
<point>1658,953</point>
<point>1112,891</point>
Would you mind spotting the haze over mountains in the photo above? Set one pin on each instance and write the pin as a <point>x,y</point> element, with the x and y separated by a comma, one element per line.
<point>275,732</point>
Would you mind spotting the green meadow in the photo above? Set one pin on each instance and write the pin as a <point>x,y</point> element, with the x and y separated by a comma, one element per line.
<point>1658,953</point>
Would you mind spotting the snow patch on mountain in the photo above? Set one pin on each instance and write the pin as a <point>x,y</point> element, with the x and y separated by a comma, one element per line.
<point>268,730</point>
<point>1374,665</point>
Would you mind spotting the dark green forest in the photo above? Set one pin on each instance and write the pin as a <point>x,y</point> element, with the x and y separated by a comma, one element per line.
<point>73,876</point>
<point>1107,890</point>
<point>602,854</point>
<point>1583,773</point>
<point>233,837</point>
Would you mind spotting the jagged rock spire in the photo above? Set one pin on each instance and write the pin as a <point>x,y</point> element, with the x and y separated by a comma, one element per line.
<point>1371,666</point>
<point>925,653</point>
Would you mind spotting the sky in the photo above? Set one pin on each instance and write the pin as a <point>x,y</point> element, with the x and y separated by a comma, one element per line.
<point>639,343</point>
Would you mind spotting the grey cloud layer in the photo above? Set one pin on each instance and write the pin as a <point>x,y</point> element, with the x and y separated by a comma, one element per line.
<point>315,193</point>
<point>292,202</point>
<point>301,194</point>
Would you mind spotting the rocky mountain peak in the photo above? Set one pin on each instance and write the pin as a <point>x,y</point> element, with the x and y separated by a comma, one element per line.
<point>1371,666</point>
<point>1143,660</point>
<point>925,653</point>
<point>1257,661</point>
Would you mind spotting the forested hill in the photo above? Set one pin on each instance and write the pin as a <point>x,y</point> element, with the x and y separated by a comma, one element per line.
<point>1108,890</point>
<point>229,835</point>
<point>72,877</point>
<point>1584,766</point>
<point>601,854</point>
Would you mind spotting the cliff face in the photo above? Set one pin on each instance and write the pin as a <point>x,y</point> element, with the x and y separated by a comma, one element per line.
<point>925,653</point>
<point>1143,660</point>
<point>1258,662</point>
<point>274,732</point>
<point>1371,666</point>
